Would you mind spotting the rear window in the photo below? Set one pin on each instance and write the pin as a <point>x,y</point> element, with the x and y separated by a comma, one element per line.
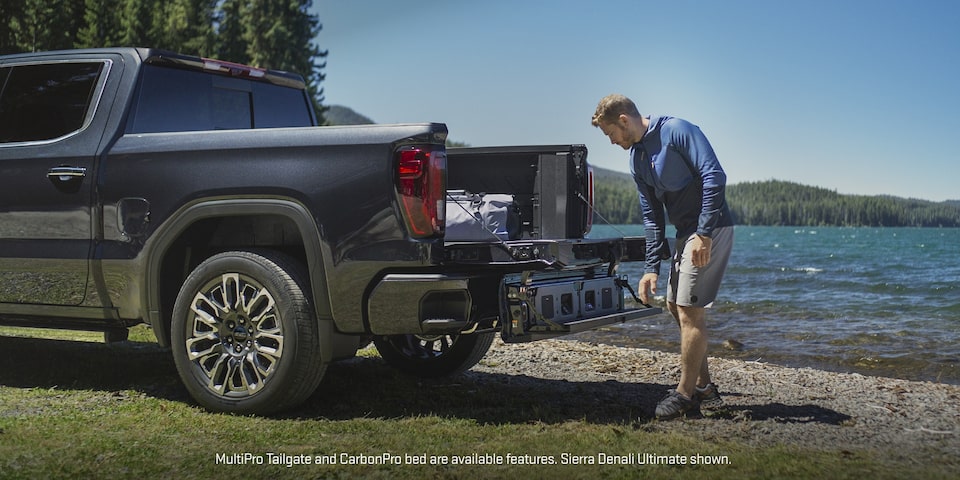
<point>177,100</point>
<point>46,101</point>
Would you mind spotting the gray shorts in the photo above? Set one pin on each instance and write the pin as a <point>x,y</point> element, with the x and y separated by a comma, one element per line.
<point>690,286</point>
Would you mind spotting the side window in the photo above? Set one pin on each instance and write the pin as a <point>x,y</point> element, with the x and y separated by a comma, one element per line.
<point>45,101</point>
<point>180,100</point>
<point>177,100</point>
<point>278,106</point>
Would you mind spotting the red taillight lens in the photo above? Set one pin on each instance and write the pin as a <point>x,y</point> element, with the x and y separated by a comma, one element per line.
<point>421,186</point>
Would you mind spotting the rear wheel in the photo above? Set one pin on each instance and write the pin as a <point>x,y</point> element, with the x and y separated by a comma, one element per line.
<point>116,335</point>
<point>430,356</point>
<point>244,333</point>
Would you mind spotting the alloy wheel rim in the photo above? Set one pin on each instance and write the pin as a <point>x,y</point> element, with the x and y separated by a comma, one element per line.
<point>426,347</point>
<point>234,335</point>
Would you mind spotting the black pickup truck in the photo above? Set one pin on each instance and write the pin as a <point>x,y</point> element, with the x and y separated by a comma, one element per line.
<point>200,197</point>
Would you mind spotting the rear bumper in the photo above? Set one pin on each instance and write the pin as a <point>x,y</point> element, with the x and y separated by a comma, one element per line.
<point>420,304</point>
<point>536,288</point>
<point>520,306</point>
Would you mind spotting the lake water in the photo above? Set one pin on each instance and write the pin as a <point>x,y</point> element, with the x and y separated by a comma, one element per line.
<point>880,301</point>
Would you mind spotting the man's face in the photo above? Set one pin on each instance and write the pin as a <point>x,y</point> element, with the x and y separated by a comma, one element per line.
<point>618,133</point>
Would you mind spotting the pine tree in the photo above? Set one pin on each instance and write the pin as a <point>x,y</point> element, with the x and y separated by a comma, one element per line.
<point>101,20</point>
<point>135,22</point>
<point>10,13</point>
<point>38,25</point>
<point>184,26</point>
<point>231,45</point>
<point>279,34</point>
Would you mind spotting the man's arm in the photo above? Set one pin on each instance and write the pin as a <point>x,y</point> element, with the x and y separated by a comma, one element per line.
<point>690,140</point>
<point>654,222</point>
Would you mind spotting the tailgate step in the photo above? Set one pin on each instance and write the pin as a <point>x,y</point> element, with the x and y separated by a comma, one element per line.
<point>542,332</point>
<point>547,309</point>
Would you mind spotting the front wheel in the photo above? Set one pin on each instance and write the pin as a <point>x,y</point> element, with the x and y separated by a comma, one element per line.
<point>244,333</point>
<point>431,356</point>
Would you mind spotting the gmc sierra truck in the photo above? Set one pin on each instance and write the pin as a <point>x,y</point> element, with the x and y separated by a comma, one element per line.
<point>200,197</point>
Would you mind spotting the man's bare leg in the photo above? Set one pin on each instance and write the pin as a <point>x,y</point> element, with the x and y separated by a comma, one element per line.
<point>693,348</point>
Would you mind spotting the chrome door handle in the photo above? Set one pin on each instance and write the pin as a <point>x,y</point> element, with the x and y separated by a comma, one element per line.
<point>65,174</point>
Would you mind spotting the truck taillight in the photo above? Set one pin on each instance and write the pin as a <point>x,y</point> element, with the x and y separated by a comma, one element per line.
<point>421,187</point>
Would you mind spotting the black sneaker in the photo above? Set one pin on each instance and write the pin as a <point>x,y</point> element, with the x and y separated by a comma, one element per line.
<point>674,405</point>
<point>709,398</point>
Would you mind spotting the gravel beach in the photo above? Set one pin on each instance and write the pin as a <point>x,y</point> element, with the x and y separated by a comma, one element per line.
<point>906,421</point>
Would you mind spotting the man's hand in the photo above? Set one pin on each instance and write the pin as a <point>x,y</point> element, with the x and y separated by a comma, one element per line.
<point>648,286</point>
<point>700,249</point>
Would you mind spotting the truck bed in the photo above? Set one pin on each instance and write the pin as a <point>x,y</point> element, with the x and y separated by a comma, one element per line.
<point>550,184</point>
<point>555,280</point>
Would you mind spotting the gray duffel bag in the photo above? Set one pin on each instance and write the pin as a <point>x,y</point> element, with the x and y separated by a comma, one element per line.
<point>481,217</point>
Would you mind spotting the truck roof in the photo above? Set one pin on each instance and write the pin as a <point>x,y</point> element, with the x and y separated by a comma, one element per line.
<point>156,56</point>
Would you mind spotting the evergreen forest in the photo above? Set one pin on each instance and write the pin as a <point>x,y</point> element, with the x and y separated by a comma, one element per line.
<point>273,34</point>
<point>776,202</point>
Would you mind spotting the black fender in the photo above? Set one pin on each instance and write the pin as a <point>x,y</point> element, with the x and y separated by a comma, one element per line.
<point>169,231</point>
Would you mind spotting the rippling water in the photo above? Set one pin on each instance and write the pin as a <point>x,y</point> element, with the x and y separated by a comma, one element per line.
<point>882,301</point>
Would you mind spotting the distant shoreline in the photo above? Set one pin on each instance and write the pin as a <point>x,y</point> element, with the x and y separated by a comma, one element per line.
<point>784,203</point>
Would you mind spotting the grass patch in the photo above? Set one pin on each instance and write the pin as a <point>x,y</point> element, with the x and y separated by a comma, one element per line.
<point>85,409</point>
<point>140,333</point>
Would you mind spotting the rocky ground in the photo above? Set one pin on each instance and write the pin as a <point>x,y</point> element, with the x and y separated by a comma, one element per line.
<point>765,404</point>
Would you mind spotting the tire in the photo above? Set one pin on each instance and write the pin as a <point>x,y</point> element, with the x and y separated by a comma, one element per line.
<point>431,356</point>
<point>116,335</point>
<point>244,333</point>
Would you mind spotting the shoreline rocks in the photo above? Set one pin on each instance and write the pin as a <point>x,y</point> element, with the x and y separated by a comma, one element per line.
<point>766,404</point>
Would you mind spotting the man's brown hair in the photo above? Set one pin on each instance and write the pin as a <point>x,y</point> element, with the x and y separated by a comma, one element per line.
<point>611,107</point>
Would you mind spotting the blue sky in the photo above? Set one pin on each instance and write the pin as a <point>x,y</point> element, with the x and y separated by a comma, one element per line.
<point>857,96</point>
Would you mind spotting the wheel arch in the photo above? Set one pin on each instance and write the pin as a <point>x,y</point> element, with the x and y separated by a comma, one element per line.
<point>171,251</point>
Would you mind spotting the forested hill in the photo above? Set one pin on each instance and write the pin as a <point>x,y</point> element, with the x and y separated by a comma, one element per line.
<point>340,115</point>
<point>784,203</point>
<point>776,202</point>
